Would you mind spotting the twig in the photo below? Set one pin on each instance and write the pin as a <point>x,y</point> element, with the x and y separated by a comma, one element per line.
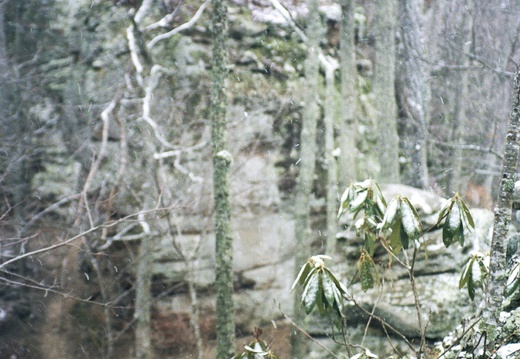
<point>301,330</point>
<point>49,209</point>
<point>95,166</point>
<point>459,338</point>
<point>51,290</point>
<point>372,313</point>
<point>468,147</point>
<point>72,239</point>
<point>382,322</point>
<point>417,303</point>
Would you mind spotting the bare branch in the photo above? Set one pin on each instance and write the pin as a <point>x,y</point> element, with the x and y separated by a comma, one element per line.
<point>165,21</point>
<point>144,9</point>
<point>72,239</point>
<point>180,28</point>
<point>468,147</point>
<point>95,166</point>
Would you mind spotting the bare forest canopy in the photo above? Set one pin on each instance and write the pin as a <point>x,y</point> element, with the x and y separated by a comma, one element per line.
<point>107,151</point>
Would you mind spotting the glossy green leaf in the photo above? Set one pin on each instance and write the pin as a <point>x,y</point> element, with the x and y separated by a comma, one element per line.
<point>445,210</point>
<point>454,218</point>
<point>338,303</point>
<point>311,291</point>
<point>467,273</point>
<point>404,237</point>
<point>328,288</point>
<point>447,235</point>
<point>459,235</point>
<point>471,288</point>
<point>410,220</point>
<point>302,275</point>
<point>466,214</point>
<point>381,203</point>
<point>340,286</point>
<point>321,302</point>
<point>392,212</point>
<point>370,243</point>
<point>358,201</point>
<point>395,237</point>
<point>346,199</point>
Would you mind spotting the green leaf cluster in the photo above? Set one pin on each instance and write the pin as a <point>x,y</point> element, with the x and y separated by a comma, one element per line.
<point>473,280</point>
<point>456,216</point>
<point>321,288</point>
<point>403,221</point>
<point>364,197</point>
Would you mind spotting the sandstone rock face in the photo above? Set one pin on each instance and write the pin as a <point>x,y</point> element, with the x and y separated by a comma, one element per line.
<point>264,113</point>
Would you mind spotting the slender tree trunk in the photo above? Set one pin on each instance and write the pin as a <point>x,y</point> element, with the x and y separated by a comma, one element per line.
<point>332,168</point>
<point>503,210</point>
<point>143,296</point>
<point>307,164</point>
<point>221,162</point>
<point>415,93</point>
<point>384,91</point>
<point>347,128</point>
<point>458,117</point>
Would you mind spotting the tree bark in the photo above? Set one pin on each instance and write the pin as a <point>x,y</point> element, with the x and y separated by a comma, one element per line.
<point>307,165</point>
<point>503,210</point>
<point>143,296</point>
<point>221,162</point>
<point>458,117</point>
<point>415,93</point>
<point>384,91</point>
<point>332,168</point>
<point>347,128</point>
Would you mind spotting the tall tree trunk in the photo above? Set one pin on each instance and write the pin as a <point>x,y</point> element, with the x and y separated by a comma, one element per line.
<point>458,117</point>
<point>143,298</point>
<point>384,91</point>
<point>307,164</point>
<point>415,93</point>
<point>347,128</point>
<point>503,210</point>
<point>332,168</point>
<point>221,162</point>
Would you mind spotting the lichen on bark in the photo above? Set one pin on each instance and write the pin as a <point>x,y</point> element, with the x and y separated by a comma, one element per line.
<point>221,163</point>
<point>503,211</point>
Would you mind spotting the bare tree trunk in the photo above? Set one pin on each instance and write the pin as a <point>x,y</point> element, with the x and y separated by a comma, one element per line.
<point>384,91</point>
<point>347,128</point>
<point>458,118</point>
<point>221,162</point>
<point>143,295</point>
<point>307,165</point>
<point>332,168</point>
<point>415,93</point>
<point>503,210</point>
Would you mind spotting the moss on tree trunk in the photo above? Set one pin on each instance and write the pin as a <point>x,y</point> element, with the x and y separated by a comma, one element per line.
<point>221,163</point>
